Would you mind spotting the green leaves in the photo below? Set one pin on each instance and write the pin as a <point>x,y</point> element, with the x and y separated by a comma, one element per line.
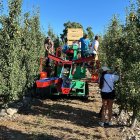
<point>122,48</point>
<point>90,33</point>
<point>21,47</point>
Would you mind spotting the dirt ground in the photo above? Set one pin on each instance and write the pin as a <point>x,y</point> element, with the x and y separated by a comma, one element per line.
<point>59,119</point>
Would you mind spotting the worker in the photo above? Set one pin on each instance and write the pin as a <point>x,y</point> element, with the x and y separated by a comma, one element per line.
<point>49,46</point>
<point>107,81</point>
<point>95,46</point>
<point>84,44</point>
<point>49,49</point>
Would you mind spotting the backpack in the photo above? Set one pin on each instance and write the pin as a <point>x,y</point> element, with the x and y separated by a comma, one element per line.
<point>101,83</point>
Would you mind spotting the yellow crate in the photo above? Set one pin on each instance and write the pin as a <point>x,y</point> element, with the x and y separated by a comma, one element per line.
<point>70,42</point>
<point>75,30</point>
<point>74,33</point>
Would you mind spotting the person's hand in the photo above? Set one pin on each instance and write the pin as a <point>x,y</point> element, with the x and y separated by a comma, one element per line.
<point>50,51</point>
<point>116,67</point>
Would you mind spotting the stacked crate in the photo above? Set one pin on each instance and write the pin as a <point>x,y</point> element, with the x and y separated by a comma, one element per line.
<point>74,34</point>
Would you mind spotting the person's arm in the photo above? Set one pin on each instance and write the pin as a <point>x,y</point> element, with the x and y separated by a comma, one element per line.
<point>52,47</point>
<point>115,77</point>
<point>90,45</point>
<point>79,42</point>
<point>115,71</point>
<point>96,46</point>
<point>46,47</point>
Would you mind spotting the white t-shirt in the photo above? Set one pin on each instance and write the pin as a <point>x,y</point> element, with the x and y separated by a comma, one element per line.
<point>95,43</point>
<point>110,79</point>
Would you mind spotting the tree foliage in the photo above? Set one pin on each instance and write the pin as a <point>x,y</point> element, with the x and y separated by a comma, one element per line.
<point>90,33</point>
<point>54,38</point>
<point>50,33</point>
<point>122,48</point>
<point>20,48</point>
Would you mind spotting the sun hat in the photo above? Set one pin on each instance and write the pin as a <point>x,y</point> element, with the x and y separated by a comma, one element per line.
<point>48,37</point>
<point>105,68</point>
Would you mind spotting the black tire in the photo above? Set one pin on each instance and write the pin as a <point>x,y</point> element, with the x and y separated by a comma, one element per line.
<point>42,93</point>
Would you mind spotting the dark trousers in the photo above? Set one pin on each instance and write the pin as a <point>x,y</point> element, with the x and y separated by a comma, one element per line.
<point>84,53</point>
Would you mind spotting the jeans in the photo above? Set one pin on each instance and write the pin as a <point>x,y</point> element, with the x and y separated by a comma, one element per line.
<point>84,53</point>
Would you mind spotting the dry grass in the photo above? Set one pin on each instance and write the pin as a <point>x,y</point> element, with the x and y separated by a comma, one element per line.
<point>58,119</point>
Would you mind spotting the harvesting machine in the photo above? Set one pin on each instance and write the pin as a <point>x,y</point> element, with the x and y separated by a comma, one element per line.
<point>69,76</point>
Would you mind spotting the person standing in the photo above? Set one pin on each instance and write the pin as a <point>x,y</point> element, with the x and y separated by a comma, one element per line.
<point>49,46</point>
<point>49,49</point>
<point>95,46</point>
<point>84,43</point>
<point>107,81</point>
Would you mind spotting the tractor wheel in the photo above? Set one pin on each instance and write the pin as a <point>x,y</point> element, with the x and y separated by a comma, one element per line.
<point>42,93</point>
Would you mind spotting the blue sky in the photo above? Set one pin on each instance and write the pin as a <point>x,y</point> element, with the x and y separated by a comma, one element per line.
<point>93,13</point>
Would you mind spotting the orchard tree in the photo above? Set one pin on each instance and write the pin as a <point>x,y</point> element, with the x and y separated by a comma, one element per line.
<point>12,71</point>
<point>131,67</point>
<point>122,48</point>
<point>21,44</point>
<point>32,44</point>
<point>51,33</point>
<point>112,42</point>
<point>90,33</point>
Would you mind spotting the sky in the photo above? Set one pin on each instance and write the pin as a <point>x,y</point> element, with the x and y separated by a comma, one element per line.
<point>94,13</point>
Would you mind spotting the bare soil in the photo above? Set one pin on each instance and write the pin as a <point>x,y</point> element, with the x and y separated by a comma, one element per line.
<point>59,119</point>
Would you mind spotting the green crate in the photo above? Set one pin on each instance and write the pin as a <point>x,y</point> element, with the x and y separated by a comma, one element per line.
<point>79,73</point>
<point>78,88</point>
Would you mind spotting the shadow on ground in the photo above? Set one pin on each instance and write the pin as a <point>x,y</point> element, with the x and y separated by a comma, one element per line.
<point>9,134</point>
<point>78,116</point>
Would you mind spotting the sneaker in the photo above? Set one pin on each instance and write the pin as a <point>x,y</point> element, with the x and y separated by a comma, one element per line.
<point>101,124</point>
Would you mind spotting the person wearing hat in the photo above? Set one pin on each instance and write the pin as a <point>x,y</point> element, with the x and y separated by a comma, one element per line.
<point>49,45</point>
<point>49,48</point>
<point>107,81</point>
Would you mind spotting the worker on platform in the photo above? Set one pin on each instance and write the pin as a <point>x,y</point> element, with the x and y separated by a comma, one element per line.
<point>95,46</point>
<point>49,49</point>
<point>84,44</point>
<point>49,46</point>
